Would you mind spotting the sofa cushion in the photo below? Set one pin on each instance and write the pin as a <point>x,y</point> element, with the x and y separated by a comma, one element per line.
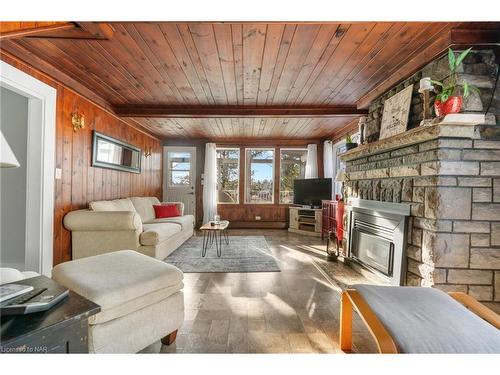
<point>155,233</point>
<point>186,221</point>
<point>166,210</point>
<point>124,204</point>
<point>144,206</point>
<point>120,282</point>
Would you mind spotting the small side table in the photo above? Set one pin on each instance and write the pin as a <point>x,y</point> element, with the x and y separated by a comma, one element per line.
<point>62,329</point>
<point>210,235</point>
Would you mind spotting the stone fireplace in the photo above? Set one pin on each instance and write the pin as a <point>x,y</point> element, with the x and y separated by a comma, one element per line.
<point>449,175</point>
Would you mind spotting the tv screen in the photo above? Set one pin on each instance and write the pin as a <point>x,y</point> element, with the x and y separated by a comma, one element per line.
<point>311,191</point>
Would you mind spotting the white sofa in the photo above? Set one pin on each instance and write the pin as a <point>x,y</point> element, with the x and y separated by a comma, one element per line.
<point>127,223</point>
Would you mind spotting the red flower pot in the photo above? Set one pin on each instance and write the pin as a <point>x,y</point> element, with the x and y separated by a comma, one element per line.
<point>452,105</point>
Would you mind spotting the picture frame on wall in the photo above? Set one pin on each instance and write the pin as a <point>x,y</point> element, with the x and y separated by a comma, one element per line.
<point>395,114</point>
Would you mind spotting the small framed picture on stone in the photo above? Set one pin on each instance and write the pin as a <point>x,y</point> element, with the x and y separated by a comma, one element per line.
<point>395,115</point>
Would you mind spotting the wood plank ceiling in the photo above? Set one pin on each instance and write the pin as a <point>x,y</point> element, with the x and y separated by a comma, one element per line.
<point>297,65</point>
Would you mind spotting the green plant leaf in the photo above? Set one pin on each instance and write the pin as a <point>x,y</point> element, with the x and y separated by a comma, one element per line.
<point>466,89</point>
<point>461,57</point>
<point>437,83</point>
<point>451,59</point>
<point>448,90</point>
<point>444,98</point>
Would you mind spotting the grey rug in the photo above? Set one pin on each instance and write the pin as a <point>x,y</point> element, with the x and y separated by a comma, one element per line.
<point>243,254</point>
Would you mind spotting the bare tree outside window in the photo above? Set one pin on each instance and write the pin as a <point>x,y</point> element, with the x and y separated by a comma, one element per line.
<point>259,182</point>
<point>228,175</point>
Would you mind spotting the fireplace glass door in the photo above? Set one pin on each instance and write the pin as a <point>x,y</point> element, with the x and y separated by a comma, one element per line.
<point>373,251</point>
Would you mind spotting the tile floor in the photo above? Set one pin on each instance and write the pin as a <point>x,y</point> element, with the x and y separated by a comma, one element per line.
<point>293,311</point>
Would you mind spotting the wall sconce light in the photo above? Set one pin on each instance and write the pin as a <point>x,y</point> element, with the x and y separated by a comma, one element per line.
<point>148,151</point>
<point>78,121</point>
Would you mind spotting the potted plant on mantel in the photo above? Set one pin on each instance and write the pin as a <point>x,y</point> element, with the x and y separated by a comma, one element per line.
<point>449,100</point>
<point>349,144</point>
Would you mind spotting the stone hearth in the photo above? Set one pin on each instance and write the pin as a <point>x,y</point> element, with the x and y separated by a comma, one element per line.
<point>450,175</point>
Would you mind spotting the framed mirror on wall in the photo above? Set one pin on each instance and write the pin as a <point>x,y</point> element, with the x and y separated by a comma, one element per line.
<point>111,153</point>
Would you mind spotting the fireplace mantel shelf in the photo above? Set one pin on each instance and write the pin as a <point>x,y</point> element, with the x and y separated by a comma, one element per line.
<point>414,136</point>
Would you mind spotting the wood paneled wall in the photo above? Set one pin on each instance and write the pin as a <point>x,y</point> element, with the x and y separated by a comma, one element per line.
<point>81,183</point>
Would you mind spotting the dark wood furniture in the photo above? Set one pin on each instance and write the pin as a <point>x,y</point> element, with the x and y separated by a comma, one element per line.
<point>333,214</point>
<point>62,329</point>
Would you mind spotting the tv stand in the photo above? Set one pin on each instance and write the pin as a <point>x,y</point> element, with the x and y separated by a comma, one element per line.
<point>306,207</point>
<point>305,220</point>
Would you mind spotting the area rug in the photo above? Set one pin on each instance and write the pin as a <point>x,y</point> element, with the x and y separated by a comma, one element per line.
<point>243,254</point>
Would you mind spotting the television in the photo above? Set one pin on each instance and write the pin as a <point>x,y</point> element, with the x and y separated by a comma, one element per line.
<point>311,191</point>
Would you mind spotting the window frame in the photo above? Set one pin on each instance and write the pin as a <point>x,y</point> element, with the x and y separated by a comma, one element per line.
<point>339,148</point>
<point>169,172</point>
<point>245,187</point>
<point>280,175</point>
<point>239,171</point>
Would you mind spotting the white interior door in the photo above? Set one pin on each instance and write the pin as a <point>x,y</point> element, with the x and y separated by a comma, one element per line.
<point>180,176</point>
<point>40,166</point>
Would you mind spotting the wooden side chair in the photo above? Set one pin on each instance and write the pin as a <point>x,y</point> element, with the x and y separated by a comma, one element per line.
<point>420,320</point>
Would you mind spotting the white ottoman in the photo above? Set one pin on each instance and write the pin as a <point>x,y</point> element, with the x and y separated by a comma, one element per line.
<point>140,297</point>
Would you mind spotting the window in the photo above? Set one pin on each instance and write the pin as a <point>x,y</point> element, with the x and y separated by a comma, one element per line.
<point>228,175</point>
<point>292,165</point>
<point>339,148</point>
<point>179,168</point>
<point>338,165</point>
<point>259,175</point>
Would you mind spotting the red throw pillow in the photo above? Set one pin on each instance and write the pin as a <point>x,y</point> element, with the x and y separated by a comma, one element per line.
<point>166,210</point>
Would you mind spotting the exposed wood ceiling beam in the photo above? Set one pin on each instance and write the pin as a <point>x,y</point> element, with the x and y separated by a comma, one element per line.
<point>30,32</point>
<point>271,142</point>
<point>57,30</point>
<point>236,112</point>
<point>471,37</point>
<point>77,33</point>
<point>234,142</point>
<point>99,30</point>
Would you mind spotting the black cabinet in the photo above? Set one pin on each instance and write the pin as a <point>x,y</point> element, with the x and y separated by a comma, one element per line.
<point>62,329</point>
